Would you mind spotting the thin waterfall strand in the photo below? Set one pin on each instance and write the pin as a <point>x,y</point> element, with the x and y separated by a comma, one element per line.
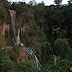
<point>13,30</point>
<point>18,37</point>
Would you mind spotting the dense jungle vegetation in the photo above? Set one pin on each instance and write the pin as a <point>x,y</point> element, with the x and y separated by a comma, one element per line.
<point>49,34</point>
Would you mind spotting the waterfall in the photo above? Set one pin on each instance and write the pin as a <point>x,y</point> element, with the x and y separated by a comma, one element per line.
<point>33,57</point>
<point>13,30</point>
<point>16,41</point>
<point>18,37</point>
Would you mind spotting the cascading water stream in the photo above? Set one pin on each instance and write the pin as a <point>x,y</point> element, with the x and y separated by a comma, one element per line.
<point>18,37</point>
<point>13,30</point>
<point>33,57</point>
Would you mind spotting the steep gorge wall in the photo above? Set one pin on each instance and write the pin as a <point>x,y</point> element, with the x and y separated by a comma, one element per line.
<point>3,28</point>
<point>23,55</point>
<point>22,21</point>
<point>24,27</point>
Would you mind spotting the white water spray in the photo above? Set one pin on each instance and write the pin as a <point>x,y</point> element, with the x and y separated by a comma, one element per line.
<point>33,57</point>
<point>18,37</point>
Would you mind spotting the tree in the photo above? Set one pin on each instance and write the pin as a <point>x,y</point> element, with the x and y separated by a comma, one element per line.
<point>33,2</point>
<point>58,2</point>
<point>69,2</point>
<point>57,65</point>
<point>5,65</point>
<point>62,48</point>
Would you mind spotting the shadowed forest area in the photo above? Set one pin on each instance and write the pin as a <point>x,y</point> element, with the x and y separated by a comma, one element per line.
<point>47,30</point>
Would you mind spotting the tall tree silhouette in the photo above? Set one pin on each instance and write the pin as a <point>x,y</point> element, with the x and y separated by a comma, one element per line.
<point>69,2</point>
<point>58,2</point>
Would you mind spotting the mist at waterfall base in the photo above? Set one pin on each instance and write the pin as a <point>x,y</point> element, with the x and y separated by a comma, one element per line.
<point>16,41</point>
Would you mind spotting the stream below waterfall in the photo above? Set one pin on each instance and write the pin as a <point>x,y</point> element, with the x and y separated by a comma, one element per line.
<point>33,57</point>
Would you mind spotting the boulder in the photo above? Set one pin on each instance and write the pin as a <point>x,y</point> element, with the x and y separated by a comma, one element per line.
<point>21,45</point>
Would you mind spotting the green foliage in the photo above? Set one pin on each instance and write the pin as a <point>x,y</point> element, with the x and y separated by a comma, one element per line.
<point>17,50</point>
<point>8,66</point>
<point>4,16</point>
<point>12,54</point>
<point>5,65</point>
<point>42,24</point>
<point>46,52</point>
<point>27,17</point>
<point>7,38</point>
<point>2,54</point>
<point>37,45</point>
<point>1,44</point>
<point>57,65</point>
<point>19,7</point>
<point>16,22</point>
<point>2,58</point>
<point>62,48</point>
<point>27,66</point>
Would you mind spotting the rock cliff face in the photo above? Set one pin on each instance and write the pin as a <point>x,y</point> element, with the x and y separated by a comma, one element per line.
<point>23,55</point>
<point>22,24</point>
<point>3,28</point>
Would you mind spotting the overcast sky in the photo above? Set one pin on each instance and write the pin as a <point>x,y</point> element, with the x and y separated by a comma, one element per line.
<point>47,2</point>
